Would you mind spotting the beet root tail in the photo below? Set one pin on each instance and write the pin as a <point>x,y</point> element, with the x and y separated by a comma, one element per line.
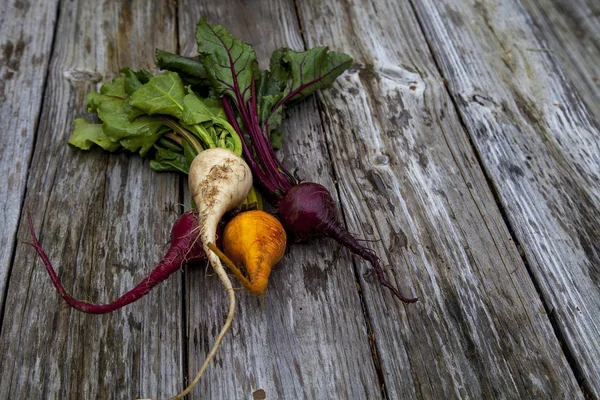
<point>343,237</point>
<point>172,261</point>
<point>308,211</point>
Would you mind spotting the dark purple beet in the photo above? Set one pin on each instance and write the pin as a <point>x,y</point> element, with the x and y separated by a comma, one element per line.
<point>185,248</point>
<point>308,211</point>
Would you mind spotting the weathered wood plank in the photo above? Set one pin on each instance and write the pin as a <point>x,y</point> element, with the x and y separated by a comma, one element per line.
<point>410,182</point>
<point>570,30</point>
<point>104,220</point>
<point>407,178</point>
<point>541,151</point>
<point>308,337</point>
<point>26,35</point>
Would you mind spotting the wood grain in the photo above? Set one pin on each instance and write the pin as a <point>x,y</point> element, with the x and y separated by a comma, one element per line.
<point>570,32</point>
<point>104,220</point>
<point>308,337</point>
<point>539,146</point>
<point>26,35</point>
<point>410,182</point>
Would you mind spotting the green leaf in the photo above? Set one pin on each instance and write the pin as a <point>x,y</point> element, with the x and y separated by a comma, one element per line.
<point>268,92</point>
<point>312,70</point>
<point>85,135</point>
<point>133,80</point>
<point>163,94</point>
<point>230,64</point>
<point>269,113</point>
<point>137,135</point>
<point>195,110</point>
<point>276,137</point>
<point>169,160</point>
<point>119,88</point>
<point>216,107</point>
<point>93,100</point>
<point>113,111</point>
<point>168,144</point>
<point>114,88</point>
<point>132,112</point>
<point>188,152</point>
<point>148,132</point>
<point>189,69</point>
<point>280,71</point>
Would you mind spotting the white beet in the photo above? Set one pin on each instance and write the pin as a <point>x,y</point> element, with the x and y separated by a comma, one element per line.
<point>219,181</point>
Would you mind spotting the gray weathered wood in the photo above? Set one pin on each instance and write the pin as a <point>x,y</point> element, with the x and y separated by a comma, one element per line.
<point>26,35</point>
<point>410,181</point>
<point>104,220</point>
<point>570,30</point>
<point>308,337</point>
<point>389,143</point>
<point>541,150</point>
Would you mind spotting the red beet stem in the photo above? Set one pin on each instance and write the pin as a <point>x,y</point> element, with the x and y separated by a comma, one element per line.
<point>308,211</point>
<point>184,248</point>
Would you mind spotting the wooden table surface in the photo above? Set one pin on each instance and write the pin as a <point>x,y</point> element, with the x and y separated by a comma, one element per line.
<point>462,146</point>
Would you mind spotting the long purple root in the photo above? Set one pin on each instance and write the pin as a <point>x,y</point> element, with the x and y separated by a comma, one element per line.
<point>308,211</point>
<point>185,247</point>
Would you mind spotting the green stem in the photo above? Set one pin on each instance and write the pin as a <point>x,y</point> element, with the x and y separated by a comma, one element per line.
<point>185,134</point>
<point>204,135</point>
<point>237,142</point>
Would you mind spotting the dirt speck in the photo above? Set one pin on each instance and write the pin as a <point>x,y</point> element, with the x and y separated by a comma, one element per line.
<point>11,180</point>
<point>259,394</point>
<point>402,119</point>
<point>7,50</point>
<point>315,279</point>
<point>423,160</point>
<point>219,172</point>
<point>22,5</point>
<point>209,193</point>
<point>528,108</point>
<point>398,240</point>
<point>11,54</point>
<point>88,45</point>
<point>20,48</point>
<point>455,16</point>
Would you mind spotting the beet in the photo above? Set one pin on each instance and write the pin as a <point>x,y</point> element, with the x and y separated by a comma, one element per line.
<point>185,248</point>
<point>308,211</point>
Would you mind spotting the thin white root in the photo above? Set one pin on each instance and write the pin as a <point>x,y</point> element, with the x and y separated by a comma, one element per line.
<point>216,262</point>
<point>219,181</point>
